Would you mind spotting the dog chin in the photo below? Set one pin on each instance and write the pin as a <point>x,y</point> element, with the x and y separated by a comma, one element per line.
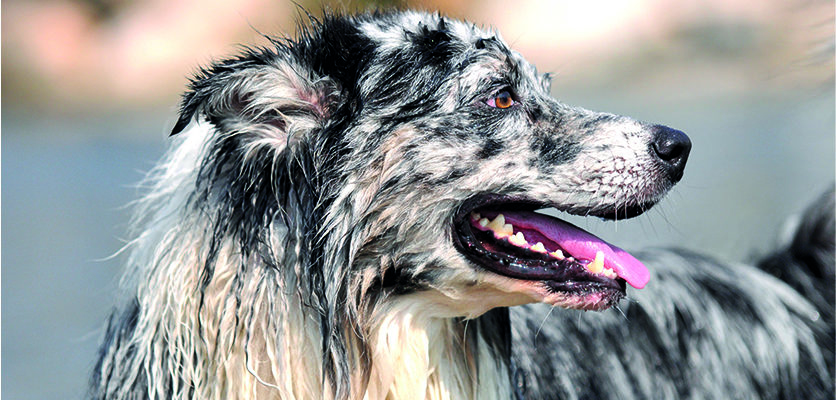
<point>492,290</point>
<point>588,298</point>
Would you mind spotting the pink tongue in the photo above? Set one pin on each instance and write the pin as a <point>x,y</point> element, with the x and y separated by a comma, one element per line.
<point>582,245</point>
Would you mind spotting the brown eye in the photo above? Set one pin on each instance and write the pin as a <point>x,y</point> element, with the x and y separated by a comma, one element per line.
<point>502,100</point>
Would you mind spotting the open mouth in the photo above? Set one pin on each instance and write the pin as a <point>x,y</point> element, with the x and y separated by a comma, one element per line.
<point>510,239</point>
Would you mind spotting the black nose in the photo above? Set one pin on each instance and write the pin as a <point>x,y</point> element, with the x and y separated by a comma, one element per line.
<point>672,148</point>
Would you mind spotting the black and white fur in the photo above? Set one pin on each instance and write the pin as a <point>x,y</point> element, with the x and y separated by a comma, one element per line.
<point>295,242</point>
<point>707,329</point>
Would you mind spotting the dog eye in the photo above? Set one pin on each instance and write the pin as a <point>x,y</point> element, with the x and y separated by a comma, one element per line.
<point>502,100</point>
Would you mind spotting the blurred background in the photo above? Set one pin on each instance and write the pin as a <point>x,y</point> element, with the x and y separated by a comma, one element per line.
<point>90,88</point>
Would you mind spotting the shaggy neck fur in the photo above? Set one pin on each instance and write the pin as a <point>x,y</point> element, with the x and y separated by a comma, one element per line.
<point>217,320</point>
<point>416,356</point>
<point>412,353</point>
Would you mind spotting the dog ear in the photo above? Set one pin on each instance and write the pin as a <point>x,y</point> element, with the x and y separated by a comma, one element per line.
<point>259,90</point>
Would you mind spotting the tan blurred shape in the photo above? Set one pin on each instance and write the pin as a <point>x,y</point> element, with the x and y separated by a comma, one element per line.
<point>111,53</point>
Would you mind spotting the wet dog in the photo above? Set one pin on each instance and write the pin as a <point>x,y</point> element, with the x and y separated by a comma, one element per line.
<point>350,214</point>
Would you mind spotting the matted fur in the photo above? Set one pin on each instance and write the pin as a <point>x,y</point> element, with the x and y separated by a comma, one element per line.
<point>296,240</point>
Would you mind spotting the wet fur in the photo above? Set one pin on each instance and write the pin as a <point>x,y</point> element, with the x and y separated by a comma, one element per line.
<point>294,242</point>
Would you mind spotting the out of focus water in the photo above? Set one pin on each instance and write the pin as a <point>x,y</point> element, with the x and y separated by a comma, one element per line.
<point>757,159</point>
<point>65,185</point>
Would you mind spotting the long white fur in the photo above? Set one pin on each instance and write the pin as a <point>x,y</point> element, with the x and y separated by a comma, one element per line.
<point>417,351</point>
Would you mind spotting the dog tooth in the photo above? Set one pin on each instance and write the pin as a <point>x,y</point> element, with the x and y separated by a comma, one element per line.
<point>558,254</point>
<point>483,222</point>
<point>497,224</point>
<point>518,239</point>
<point>539,248</point>
<point>597,265</point>
<point>475,216</point>
<point>609,273</point>
<point>508,228</point>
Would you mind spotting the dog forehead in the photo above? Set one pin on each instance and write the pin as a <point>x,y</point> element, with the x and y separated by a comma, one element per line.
<point>399,31</point>
<point>480,54</point>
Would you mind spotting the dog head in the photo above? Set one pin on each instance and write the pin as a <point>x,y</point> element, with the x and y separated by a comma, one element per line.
<point>404,155</point>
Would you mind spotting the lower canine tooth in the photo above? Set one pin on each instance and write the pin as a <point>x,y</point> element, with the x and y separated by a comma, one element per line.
<point>597,265</point>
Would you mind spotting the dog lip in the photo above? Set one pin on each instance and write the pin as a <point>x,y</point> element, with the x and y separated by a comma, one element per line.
<point>590,295</point>
<point>620,213</point>
<point>526,204</point>
<point>489,199</point>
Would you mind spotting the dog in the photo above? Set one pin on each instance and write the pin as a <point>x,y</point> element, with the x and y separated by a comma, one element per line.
<point>350,214</point>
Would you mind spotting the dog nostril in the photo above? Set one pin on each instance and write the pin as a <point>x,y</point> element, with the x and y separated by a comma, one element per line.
<point>672,147</point>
